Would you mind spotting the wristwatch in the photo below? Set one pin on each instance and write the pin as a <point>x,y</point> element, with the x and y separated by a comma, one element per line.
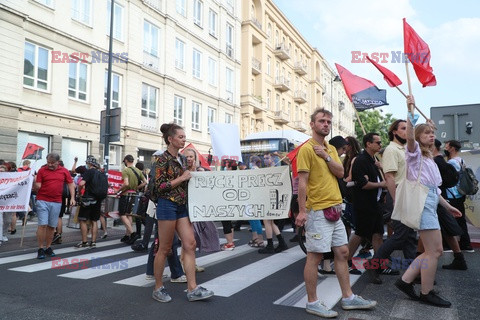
<point>328,159</point>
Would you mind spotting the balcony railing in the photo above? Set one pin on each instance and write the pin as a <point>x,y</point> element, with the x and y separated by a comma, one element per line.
<point>258,104</point>
<point>300,68</point>
<point>300,96</point>
<point>150,61</point>
<point>256,66</point>
<point>256,22</point>
<point>282,84</point>
<point>157,4</point>
<point>149,124</point>
<point>282,52</point>
<point>300,126</point>
<point>281,117</point>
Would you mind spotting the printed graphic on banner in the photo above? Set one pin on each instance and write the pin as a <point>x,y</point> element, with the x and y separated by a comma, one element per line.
<point>115,181</point>
<point>15,189</point>
<point>240,195</point>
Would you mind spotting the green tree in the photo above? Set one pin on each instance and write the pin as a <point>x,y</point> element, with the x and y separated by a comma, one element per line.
<point>373,120</point>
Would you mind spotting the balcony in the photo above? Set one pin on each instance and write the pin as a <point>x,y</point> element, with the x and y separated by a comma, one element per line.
<point>150,61</point>
<point>149,124</point>
<point>157,4</point>
<point>341,105</point>
<point>300,68</point>
<point>256,23</point>
<point>300,96</point>
<point>282,52</point>
<point>256,66</point>
<point>282,84</point>
<point>281,117</point>
<point>300,126</point>
<point>257,103</point>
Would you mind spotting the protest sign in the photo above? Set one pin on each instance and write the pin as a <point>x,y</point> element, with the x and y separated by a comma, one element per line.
<point>240,194</point>
<point>115,181</point>
<point>226,141</point>
<point>15,189</point>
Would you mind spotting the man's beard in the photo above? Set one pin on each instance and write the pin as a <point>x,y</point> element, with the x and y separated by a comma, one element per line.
<point>401,140</point>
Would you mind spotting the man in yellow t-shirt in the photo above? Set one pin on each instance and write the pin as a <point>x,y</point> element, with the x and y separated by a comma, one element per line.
<point>318,168</point>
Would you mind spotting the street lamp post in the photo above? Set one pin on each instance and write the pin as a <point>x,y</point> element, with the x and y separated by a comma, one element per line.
<point>106,146</point>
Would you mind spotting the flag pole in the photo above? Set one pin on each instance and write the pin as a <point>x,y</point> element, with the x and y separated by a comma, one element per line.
<point>420,111</point>
<point>409,85</point>
<point>359,121</point>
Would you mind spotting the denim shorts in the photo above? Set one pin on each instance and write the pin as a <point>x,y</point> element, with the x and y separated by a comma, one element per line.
<point>429,220</point>
<point>48,213</point>
<point>321,235</point>
<point>169,210</point>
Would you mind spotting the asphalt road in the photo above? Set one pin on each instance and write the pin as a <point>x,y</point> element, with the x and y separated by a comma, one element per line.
<point>248,285</point>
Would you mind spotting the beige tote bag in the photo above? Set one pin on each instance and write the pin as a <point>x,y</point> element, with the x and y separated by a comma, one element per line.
<point>410,197</point>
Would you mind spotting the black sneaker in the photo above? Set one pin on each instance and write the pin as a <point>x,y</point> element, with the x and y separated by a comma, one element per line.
<point>133,237</point>
<point>352,269</point>
<point>49,252</point>
<point>467,249</point>
<point>125,238</point>
<point>93,245</point>
<point>457,264</point>
<point>81,245</point>
<point>434,299</point>
<point>282,246</point>
<point>57,239</point>
<point>372,274</point>
<point>139,247</point>
<point>41,254</point>
<point>389,272</point>
<point>407,288</point>
<point>267,249</point>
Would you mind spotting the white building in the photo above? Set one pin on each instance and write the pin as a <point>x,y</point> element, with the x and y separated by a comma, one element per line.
<point>178,60</point>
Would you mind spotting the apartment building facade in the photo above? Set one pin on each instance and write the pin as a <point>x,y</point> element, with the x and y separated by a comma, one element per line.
<point>174,61</point>
<point>283,77</point>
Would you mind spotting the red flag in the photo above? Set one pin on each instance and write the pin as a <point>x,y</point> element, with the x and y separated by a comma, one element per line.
<point>292,155</point>
<point>418,53</point>
<point>201,159</point>
<point>362,92</point>
<point>32,151</point>
<point>388,75</point>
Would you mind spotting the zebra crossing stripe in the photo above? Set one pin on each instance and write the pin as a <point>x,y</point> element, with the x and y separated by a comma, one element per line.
<point>205,261</point>
<point>239,279</point>
<point>88,256</point>
<point>328,291</point>
<point>30,256</point>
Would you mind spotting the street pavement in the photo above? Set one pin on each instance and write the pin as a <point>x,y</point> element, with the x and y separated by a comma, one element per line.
<point>247,285</point>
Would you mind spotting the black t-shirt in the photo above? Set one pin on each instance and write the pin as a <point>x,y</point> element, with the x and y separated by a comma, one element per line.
<point>87,176</point>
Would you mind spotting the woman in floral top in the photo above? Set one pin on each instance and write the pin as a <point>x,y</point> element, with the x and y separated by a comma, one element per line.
<point>171,180</point>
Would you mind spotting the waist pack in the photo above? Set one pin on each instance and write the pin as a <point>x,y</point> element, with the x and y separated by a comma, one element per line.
<point>333,213</point>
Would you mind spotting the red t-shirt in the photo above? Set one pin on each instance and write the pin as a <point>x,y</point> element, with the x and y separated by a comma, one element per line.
<point>52,183</point>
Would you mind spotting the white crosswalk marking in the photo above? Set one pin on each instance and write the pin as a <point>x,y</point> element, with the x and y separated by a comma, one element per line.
<point>237,280</point>
<point>32,256</point>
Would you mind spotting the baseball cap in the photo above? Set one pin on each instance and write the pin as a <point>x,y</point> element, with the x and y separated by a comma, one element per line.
<point>338,142</point>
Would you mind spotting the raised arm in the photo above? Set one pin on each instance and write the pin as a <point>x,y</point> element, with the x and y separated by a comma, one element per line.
<point>410,125</point>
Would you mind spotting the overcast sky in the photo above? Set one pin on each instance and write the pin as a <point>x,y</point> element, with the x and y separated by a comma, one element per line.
<point>451,29</point>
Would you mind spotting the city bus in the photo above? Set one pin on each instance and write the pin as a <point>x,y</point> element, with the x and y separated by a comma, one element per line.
<point>279,143</point>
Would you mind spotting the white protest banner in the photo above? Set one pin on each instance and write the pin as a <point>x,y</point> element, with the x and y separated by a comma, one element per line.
<point>226,141</point>
<point>240,194</point>
<point>15,189</point>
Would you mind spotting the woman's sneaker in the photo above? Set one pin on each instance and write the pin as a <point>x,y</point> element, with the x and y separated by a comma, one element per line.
<point>81,245</point>
<point>161,295</point>
<point>199,293</point>
<point>228,246</point>
<point>41,254</point>
<point>181,279</point>
<point>49,252</point>
<point>93,245</point>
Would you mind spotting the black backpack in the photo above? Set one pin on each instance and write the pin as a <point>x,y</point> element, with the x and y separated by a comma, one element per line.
<point>468,184</point>
<point>98,187</point>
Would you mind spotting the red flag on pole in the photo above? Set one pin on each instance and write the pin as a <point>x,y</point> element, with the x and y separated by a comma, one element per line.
<point>292,155</point>
<point>388,75</point>
<point>32,151</point>
<point>418,53</point>
<point>201,159</point>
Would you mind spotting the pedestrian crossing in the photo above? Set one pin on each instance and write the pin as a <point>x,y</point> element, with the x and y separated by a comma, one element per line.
<point>119,259</point>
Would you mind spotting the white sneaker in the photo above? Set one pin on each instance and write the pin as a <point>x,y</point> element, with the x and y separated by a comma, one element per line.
<point>4,239</point>
<point>149,277</point>
<point>181,279</point>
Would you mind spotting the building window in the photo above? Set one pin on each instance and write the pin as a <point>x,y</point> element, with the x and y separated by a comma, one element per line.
<point>228,118</point>
<point>48,3</point>
<point>197,62</point>
<point>116,84</point>
<point>178,104</point>
<point>82,11</point>
<point>198,12</point>
<point>35,67</point>
<point>277,102</point>
<point>229,40</point>
<point>229,84</point>
<point>196,115</point>
<point>269,63</point>
<point>212,72</point>
<point>181,7</point>
<point>212,113</point>
<point>149,101</point>
<point>77,81</point>
<point>150,39</point>
<point>179,54</point>
<point>212,23</point>
<point>115,155</point>
<point>269,99</point>
<point>269,32</point>
<point>117,20</point>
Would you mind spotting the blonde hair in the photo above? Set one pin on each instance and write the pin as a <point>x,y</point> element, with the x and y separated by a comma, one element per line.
<point>419,129</point>
<point>195,160</point>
